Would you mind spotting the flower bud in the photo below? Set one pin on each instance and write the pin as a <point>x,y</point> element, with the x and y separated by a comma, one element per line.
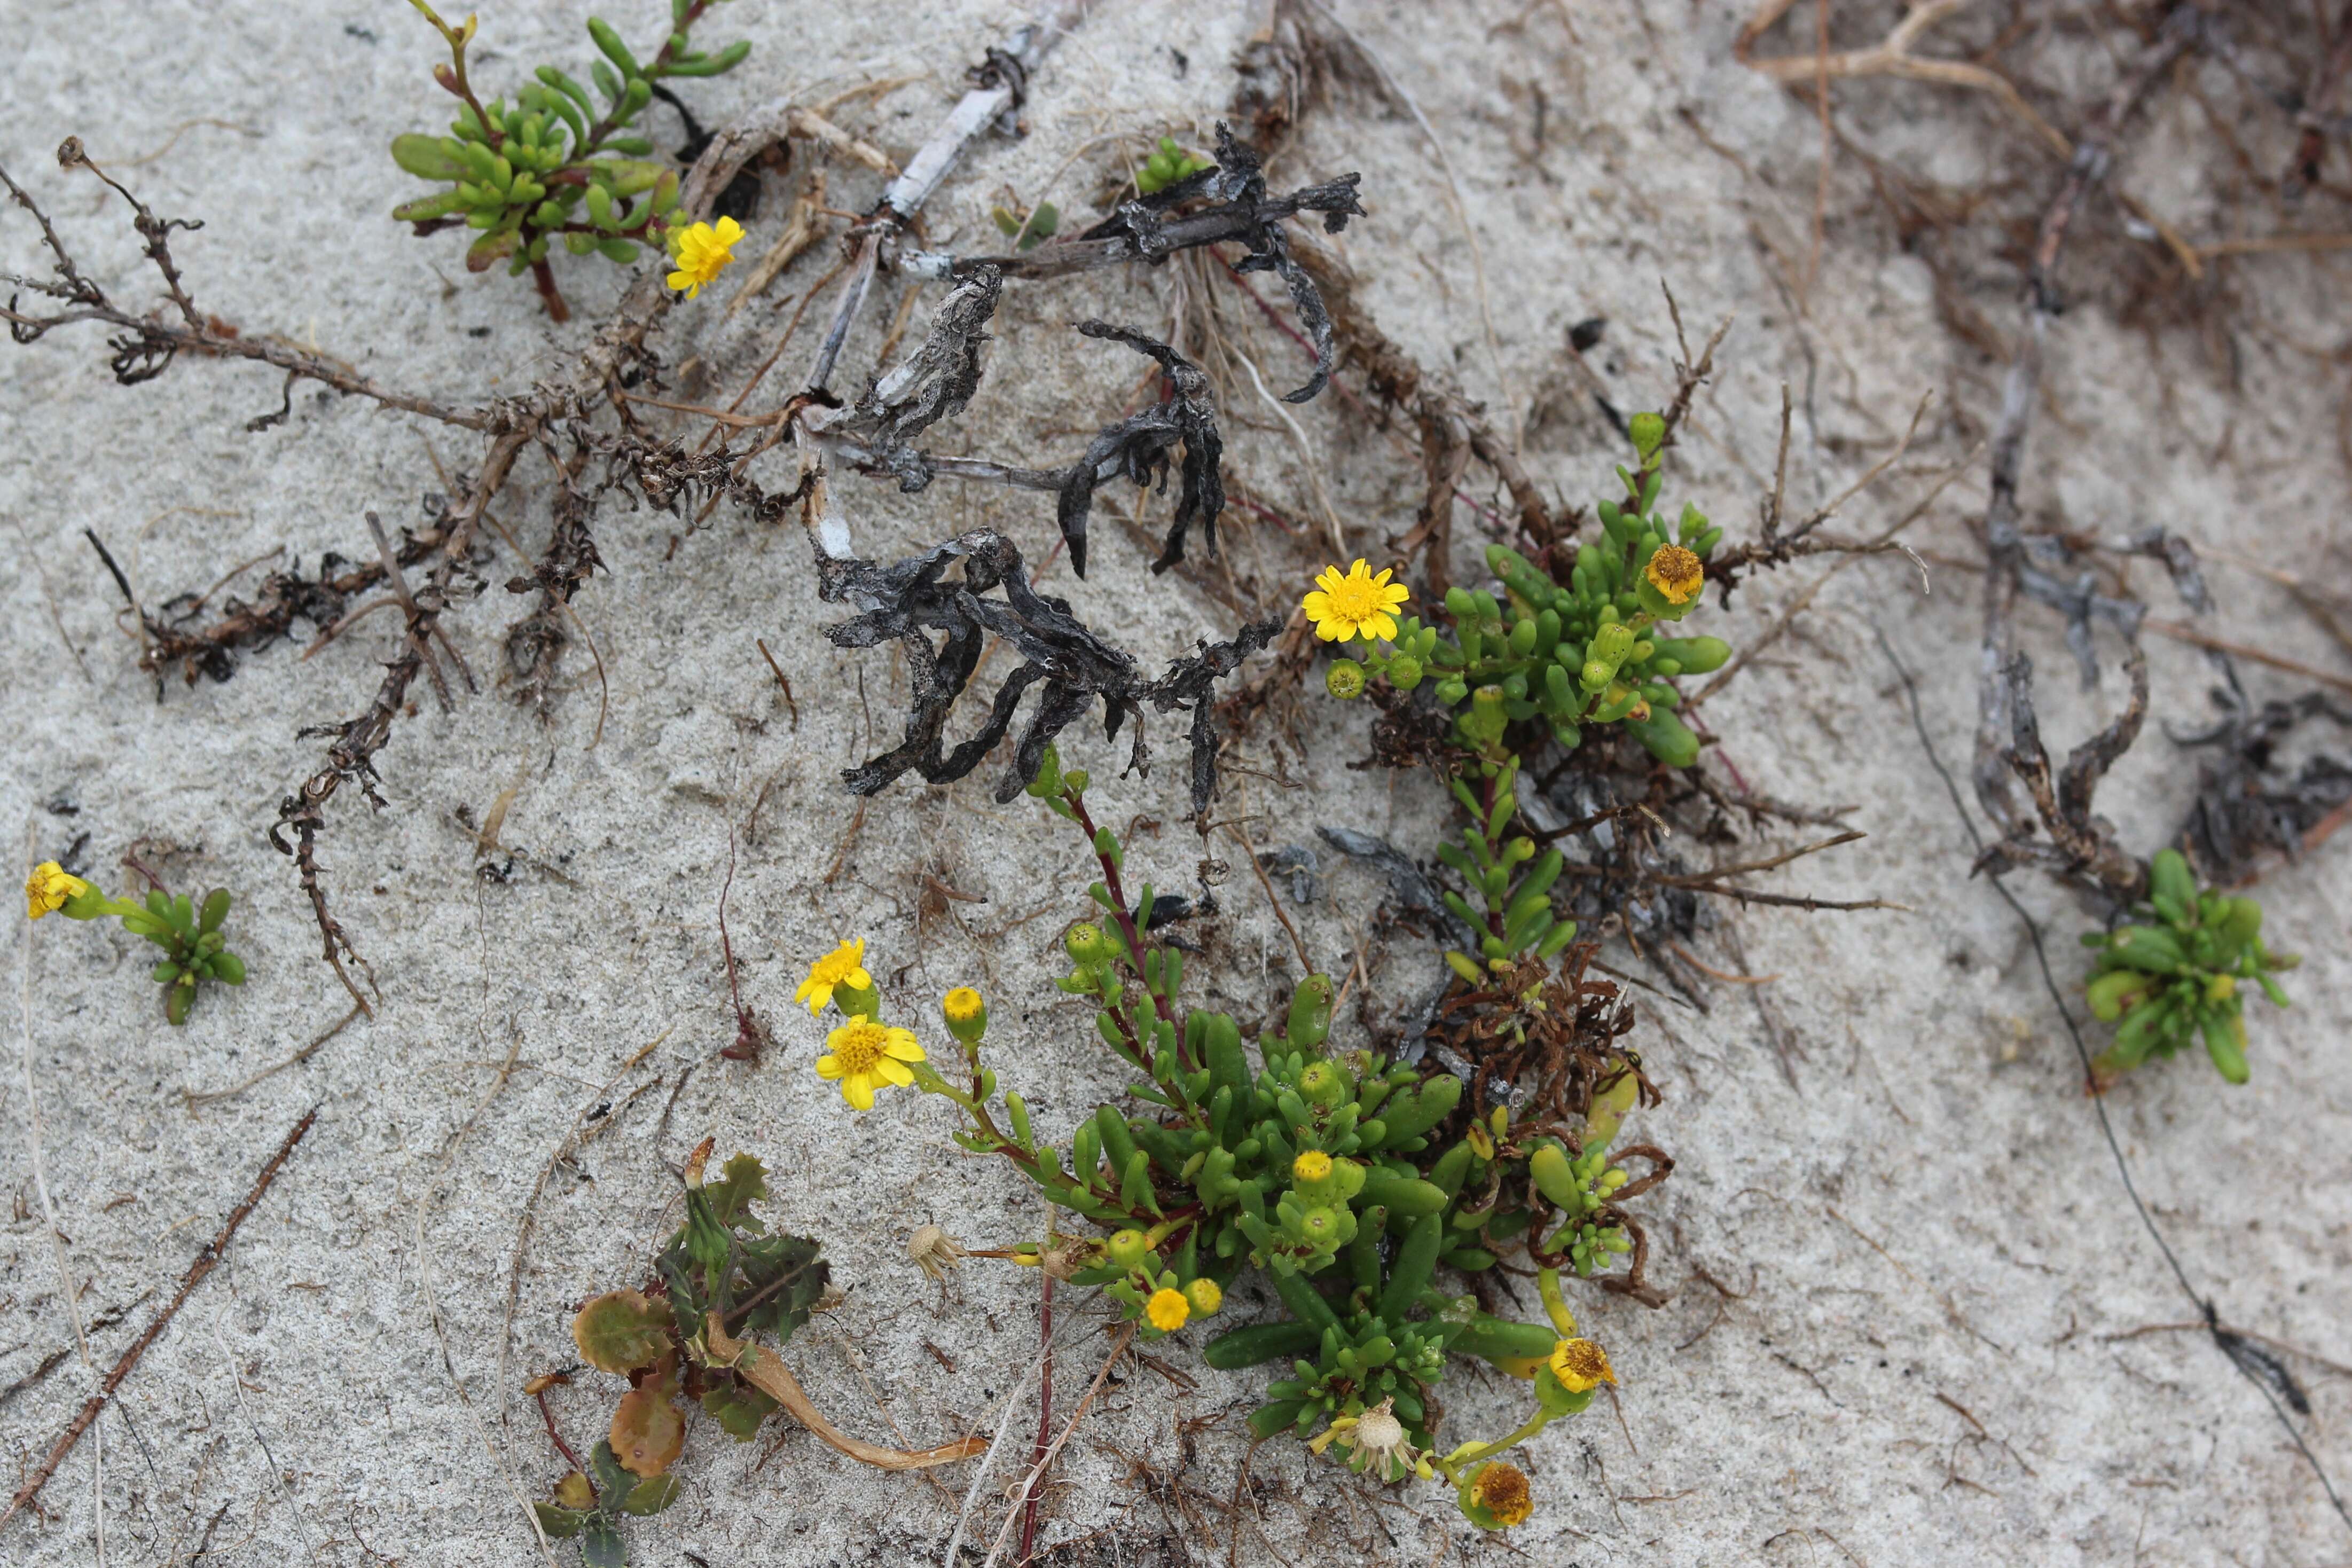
<point>1404,672</point>
<point>1085,944</point>
<point>1495,1496</point>
<point>1344,679</point>
<point>966,1014</point>
<point>1127,1248</point>
<point>1205,1296</point>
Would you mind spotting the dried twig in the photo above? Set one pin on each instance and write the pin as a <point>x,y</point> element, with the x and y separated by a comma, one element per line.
<point>194,1275</point>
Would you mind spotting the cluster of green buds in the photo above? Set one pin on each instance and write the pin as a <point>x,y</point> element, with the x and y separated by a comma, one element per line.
<point>1168,164</point>
<point>2180,973</point>
<point>1517,920</point>
<point>1582,1185</point>
<point>189,933</point>
<point>553,167</point>
<point>1574,653</point>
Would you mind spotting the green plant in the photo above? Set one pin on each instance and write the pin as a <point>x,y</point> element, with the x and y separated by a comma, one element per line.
<point>551,167</point>
<point>593,1509</point>
<point>1028,230</point>
<point>1168,164</point>
<point>1347,1181</point>
<point>2178,973</point>
<point>722,1279</point>
<point>1569,654</point>
<point>190,934</point>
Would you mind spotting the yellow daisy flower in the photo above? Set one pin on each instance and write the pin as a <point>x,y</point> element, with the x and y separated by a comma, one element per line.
<point>702,253</point>
<point>865,1056</point>
<point>1581,1364</point>
<point>844,965</point>
<point>1359,604</point>
<point>49,887</point>
<point>1676,573</point>
<point>1168,1311</point>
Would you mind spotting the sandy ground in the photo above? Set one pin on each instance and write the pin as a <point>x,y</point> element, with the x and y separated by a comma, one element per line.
<point>1907,1289</point>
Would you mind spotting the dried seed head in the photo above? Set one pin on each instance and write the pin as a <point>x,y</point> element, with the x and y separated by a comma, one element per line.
<point>934,1251</point>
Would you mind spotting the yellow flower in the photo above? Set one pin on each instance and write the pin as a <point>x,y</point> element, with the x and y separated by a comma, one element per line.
<point>1168,1310</point>
<point>1581,1364</point>
<point>865,1057</point>
<point>1501,1488</point>
<point>1205,1296</point>
<point>1358,604</point>
<point>49,887</point>
<point>1311,1166</point>
<point>961,1004</point>
<point>1675,574</point>
<point>844,965</point>
<point>702,253</point>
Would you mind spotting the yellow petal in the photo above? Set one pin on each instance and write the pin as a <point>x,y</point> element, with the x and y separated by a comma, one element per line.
<point>858,1091</point>
<point>1381,625</point>
<point>686,281</point>
<point>1332,631</point>
<point>892,1070</point>
<point>906,1049</point>
<point>1317,605</point>
<point>859,980</point>
<point>828,1066</point>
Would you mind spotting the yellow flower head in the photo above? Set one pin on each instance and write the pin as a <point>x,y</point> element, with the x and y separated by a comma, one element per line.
<point>49,887</point>
<point>961,1004</point>
<point>702,252</point>
<point>1676,573</point>
<point>1168,1311</point>
<point>1356,606</point>
<point>1311,1166</point>
<point>1580,1366</point>
<point>1501,1488</point>
<point>1205,1296</point>
<point>844,965</point>
<point>865,1056</point>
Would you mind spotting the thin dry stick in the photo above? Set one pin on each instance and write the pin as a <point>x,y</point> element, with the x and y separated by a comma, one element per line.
<point>2188,634</point>
<point>1305,452</point>
<point>1891,56</point>
<point>1037,1470</point>
<point>192,1098</point>
<point>1882,542</point>
<point>204,1263</point>
<point>1461,216</point>
<point>1250,855</point>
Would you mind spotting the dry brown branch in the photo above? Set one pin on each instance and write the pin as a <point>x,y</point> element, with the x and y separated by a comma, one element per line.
<point>1998,719</point>
<point>204,1264</point>
<point>1891,56</point>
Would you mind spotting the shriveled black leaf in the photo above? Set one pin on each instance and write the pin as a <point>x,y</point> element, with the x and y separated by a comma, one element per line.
<point>2248,803</point>
<point>912,601</point>
<point>935,383</point>
<point>1139,445</point>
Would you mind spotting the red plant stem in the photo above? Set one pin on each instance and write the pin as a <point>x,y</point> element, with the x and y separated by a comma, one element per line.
<point>1126,919</point>
<point>544,276</point>
<point>1044,1420</point>
<point>556,1437</point>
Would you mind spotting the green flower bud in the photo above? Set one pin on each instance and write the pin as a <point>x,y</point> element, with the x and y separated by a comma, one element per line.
<point>1404,672</point>
<point>1649,433</point>
<point>1085,946</point>
<point>1344,679</point>
<point>1127,1248</point>
<point>966,1013</point>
